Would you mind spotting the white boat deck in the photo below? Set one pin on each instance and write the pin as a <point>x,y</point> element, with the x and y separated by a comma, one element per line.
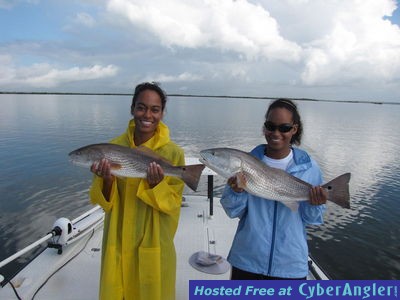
<point>77,269</point>
<point>192,236</point>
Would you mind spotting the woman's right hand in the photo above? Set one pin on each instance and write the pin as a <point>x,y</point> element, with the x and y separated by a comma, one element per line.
<point>235,184</point>
<point>102,169</point>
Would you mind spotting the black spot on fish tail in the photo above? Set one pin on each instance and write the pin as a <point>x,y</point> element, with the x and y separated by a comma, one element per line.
<point>338,190</point>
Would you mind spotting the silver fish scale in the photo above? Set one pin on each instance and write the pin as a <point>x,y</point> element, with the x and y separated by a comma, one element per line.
<point>130,168</point>
<point>274,184</point>
<point>135,165</point>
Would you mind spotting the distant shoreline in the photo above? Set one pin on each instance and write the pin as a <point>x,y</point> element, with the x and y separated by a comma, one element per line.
<point>198,96</point>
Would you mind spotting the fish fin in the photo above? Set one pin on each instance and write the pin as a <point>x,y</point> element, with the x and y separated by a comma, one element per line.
<point>338,190</point>
<point>115,166</point>
<point>293,205</point>
<point>150,153</point>
<point>191,175</point>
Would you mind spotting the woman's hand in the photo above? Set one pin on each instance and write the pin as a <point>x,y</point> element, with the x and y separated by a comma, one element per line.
<point>237,182</point>
<point>102,169</point>
<point>155,174</point>
<point>318,195</point>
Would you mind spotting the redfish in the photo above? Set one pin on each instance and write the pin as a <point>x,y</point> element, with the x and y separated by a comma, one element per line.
<point>133,162</point>
<point>271,183</point>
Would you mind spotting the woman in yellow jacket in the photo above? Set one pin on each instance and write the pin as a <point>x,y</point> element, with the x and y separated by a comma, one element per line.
<point>138,253</point>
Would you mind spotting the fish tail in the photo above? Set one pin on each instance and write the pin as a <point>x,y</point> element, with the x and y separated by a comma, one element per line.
<point>338,190</point>
<point>191,175</point>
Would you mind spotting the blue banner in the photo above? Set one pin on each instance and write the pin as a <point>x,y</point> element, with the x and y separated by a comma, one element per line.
<point>294,289</point>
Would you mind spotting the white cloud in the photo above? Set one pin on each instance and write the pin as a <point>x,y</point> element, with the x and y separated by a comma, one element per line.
<point>361,46</point>
<point>340,42</point>
<point>183,77</point>
<point>237,26</point>
<point>9,4</point>
<point>46,76</point>
<point>7,71</point>
<point>84,19</point>
<point>79,21</point>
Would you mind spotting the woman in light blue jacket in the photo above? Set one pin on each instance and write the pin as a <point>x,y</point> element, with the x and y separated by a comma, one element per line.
<point>270,241</point>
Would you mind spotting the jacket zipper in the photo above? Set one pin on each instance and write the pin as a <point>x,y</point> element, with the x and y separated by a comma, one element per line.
<point>271,255</point>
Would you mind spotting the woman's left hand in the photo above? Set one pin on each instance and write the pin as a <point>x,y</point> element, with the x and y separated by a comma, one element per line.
<point>318,195</point>
<point>155,174</point>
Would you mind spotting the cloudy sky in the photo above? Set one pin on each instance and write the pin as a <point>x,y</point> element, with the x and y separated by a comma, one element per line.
<point>324,49</point>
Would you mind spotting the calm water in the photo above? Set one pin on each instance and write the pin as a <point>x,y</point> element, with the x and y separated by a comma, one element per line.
<point>38,184</point>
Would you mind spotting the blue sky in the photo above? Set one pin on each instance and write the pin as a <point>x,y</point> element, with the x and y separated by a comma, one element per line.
<point>339,49</point>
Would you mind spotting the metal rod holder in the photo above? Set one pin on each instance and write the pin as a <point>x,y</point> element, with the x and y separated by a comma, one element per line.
<point>210,193</point>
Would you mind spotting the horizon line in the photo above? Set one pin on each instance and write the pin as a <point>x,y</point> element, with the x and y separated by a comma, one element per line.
<point>200,96</point>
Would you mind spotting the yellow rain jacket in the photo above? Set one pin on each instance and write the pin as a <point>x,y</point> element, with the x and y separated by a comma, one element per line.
<point>138,253</point>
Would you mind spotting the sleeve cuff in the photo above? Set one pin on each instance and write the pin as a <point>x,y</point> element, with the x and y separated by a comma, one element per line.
<point>97,197</point>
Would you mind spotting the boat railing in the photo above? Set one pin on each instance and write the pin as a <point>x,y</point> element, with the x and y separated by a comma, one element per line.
<point>63,236</point>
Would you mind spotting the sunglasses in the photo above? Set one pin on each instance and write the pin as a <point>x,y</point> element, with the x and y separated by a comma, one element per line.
<point>282,127</point>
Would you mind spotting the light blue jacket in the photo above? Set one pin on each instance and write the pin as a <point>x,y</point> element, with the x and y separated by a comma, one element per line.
<point>270,238</point>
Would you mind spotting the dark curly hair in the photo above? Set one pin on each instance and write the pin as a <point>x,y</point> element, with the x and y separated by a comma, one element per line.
<point>153,86</point>
<point>292,107</point>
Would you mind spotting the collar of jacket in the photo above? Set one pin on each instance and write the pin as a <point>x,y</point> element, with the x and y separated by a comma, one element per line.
<point>301,159</point>
<point>160,138</point>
